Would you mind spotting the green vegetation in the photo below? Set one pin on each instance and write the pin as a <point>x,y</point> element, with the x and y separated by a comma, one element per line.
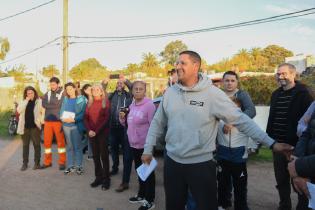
<point>50,71</point>
<point>255,59</point>
<point>264,155</point>
<point>259,88</point>
<point>4,47</point>
<point>4,120</point>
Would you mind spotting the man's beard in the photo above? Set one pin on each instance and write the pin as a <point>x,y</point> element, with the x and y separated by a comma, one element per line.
<point>283,83</point>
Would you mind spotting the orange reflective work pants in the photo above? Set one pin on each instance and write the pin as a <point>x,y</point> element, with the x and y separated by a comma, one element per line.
<point>50,129</point>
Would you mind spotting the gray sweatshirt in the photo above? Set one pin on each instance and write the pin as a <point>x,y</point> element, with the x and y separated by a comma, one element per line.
<point>192,116</point>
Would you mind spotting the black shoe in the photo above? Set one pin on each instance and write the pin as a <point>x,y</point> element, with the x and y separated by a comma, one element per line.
<point>69,170</point>
<point>122,187</point>
<point>136,199</point>
<point>113,172</point>
<point>37,166</point>
<point>62,167</point>
<point>146,205</point>
<point>96,183</point>
<point>45,166</point>
<point>105,184</point>
<point>24,167</point>
<point>79,170</point>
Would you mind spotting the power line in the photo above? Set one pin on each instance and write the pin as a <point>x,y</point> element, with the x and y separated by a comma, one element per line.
<point>141,37</point>
<point>32,51</point>
<point>25,11</point>
<point>182,33</point>
<point>241,24</point>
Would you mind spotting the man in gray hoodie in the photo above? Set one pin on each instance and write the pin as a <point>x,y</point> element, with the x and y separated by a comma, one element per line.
<point>191,111</point>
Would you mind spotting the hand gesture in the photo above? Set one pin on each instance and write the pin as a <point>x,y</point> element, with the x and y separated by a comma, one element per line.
<point>122,77</point>
<point>146,159</point>
<point>92,134</point>
<point>291,168</point>
<point>227,128</point>
<point>283,148</point>
<point>300,186</point>
<point>122,115</point>
<point>105,81</point>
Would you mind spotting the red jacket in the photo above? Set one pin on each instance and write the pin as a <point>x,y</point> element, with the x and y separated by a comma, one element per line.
<point>97,118</point>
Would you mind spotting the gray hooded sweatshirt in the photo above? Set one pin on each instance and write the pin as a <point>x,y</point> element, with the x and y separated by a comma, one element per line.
<point>191,116</point>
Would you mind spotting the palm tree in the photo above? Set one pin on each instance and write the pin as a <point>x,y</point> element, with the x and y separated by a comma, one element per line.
<point>149,61</point>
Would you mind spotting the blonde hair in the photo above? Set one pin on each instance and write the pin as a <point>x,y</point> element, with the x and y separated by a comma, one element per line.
<point>103,96</point>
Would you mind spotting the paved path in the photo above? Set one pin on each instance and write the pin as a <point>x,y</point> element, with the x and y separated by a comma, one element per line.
<point>50,189</point>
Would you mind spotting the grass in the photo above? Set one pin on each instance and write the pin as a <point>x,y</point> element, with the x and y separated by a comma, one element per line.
<point>4,120</point>
<point>264,155</point>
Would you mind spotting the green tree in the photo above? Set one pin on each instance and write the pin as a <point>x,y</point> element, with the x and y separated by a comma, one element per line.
<point>19,74</point>
<point>256,59</point>
<point>222,66</point>
<point>4,47</point>
<point>204,66</point>
<point>276,55</point>
<point>171,51</point>
<point>50,71</point>
<point>150,65</point>
<point>260,63</point>
<point>88,70</point>
<point>3,74</point>
<point>131,69</point>
<point>242,61</point>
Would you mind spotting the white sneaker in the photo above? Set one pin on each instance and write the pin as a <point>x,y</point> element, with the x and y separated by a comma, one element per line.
<point>220,208</point>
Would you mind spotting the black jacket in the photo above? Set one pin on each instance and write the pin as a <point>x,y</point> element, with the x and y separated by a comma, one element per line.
<point>301,99</point>
<point>305,151</point>
<point>117,100</point>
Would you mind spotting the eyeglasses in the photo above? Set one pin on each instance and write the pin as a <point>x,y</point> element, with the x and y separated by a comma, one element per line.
<point>180,62</point>
<point>283,74</point>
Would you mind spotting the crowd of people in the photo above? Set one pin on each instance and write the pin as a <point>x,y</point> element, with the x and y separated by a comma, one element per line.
<point>206,131</point>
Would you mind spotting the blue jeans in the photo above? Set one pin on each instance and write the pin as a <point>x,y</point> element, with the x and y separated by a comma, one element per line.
<point>74,146</point>
<point>191,204</point>
<point>118,136</point>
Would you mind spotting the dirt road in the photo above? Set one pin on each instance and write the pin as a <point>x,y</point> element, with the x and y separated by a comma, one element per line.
<point>50,189</point>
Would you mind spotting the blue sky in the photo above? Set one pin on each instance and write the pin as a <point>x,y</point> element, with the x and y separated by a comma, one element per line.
<point>123,18</point>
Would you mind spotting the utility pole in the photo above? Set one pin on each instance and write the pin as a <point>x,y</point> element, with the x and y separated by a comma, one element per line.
<point>65,45</point>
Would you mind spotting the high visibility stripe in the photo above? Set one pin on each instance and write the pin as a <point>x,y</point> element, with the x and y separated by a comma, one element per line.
<point>61,150</point>
<point>48,151</point>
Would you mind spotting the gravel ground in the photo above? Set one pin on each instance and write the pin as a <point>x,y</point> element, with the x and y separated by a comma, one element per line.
<point>50,189</point>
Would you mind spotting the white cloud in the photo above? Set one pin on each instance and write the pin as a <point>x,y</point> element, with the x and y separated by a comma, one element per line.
<point>302,30</point>
<point>277,9</point>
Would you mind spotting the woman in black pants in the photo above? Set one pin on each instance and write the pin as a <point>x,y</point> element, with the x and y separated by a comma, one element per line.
<point>30,110</point>
<point>96,122</point>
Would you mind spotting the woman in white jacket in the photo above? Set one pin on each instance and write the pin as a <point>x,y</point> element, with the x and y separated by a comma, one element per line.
<point>30,120</point>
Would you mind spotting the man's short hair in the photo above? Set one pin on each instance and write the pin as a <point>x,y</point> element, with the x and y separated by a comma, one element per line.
<point>193,55</point>
<point>231,73</point>
<point>171,72</point>
<point>291,67</point>
<point>54,79</point>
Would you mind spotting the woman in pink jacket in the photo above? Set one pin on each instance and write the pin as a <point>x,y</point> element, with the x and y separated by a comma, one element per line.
<point>139,117</point>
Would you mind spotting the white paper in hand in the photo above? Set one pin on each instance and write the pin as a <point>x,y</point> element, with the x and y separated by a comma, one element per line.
<point>145,170</point>
<point>311,189</point>
<point>67,115</point>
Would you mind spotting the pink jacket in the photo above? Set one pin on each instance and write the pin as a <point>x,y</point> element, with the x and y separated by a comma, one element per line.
<point>139,120</point>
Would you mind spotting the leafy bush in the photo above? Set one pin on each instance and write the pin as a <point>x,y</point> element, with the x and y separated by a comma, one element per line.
<point>259,88</point>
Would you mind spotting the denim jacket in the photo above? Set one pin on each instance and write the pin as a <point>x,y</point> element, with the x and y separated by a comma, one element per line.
<point>80,106</point>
